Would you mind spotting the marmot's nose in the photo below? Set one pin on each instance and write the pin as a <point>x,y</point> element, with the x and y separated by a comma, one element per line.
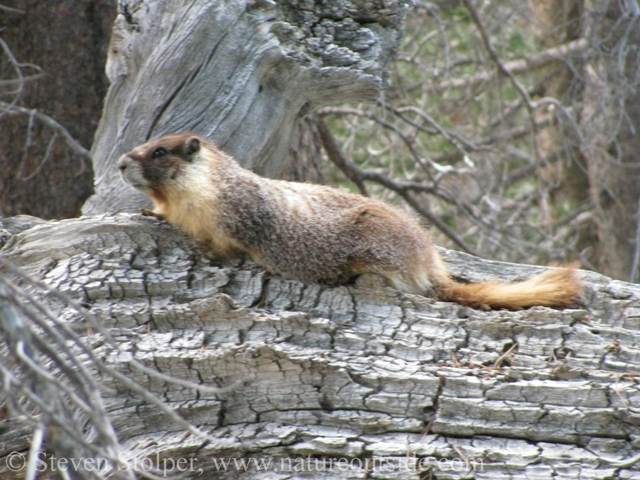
<point>123,161</point>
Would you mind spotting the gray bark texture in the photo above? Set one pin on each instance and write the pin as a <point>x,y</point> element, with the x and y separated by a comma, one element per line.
<point>358,381</point>
<point>238,72</point>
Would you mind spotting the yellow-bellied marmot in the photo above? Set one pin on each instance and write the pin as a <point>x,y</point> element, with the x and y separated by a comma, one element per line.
<point>308,232</point>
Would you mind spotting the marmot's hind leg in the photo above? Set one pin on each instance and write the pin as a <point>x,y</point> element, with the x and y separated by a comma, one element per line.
<point>395,246</point>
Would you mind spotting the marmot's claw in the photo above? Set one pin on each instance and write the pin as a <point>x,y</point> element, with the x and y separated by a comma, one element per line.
<point>150,213</point>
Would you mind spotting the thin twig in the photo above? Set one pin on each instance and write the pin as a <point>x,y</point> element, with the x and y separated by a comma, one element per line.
<point>34,450</point>
<point>46,119</point>
<point>501,358</point>
<point>539,60</point>
<point>47,154</point>
<point>12,10</point>
<point>488,45</point>
<point>409,144</point>
<point>43,385</point>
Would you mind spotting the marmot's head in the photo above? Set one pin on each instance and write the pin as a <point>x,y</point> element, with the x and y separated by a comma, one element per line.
<point>158,166</point>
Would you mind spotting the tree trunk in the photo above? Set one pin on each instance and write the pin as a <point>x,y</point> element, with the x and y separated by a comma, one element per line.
<point>68,41</point>
<point>239,73</point>
<point>611,113</point>
<point>358,381</point>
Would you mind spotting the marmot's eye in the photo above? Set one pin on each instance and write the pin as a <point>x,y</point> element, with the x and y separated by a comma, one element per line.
<point>158,152</point>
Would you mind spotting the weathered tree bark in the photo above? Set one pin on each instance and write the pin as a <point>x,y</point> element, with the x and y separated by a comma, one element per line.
<point>358,381</point>
<point>238,72</point>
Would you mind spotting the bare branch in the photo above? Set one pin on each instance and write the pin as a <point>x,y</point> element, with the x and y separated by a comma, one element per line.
<point>408,142</point>
<point>34,450</point>
<point>335,155</point>
<point>12,10</point>
<point>47,154</point>
<point>50,122</point>
<point>539,60</point>
<point>494,55</point>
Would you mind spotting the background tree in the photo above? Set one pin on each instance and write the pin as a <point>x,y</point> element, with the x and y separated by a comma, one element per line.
<point>52,85</point>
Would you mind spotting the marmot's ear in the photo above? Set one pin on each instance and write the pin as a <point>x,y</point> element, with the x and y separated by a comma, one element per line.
<point>192,145</point>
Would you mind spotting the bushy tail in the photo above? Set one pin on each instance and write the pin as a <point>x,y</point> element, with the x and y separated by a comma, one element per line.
<point>554,288</point>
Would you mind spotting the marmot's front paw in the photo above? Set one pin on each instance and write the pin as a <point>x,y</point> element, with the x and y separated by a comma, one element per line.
<point>150,213</point>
